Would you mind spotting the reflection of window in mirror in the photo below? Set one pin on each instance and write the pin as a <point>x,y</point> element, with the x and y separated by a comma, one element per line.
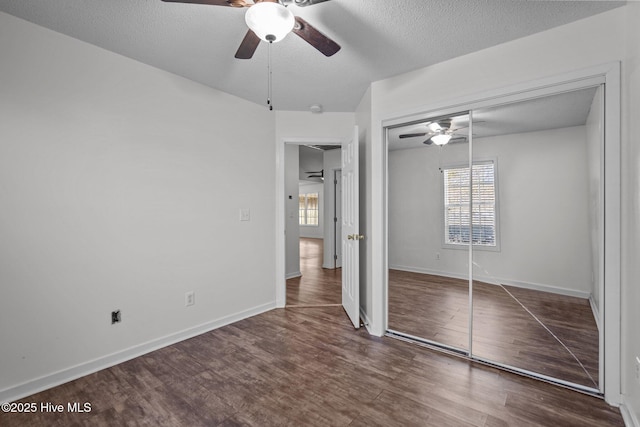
<point>484,218</point>
<point>308,208</point>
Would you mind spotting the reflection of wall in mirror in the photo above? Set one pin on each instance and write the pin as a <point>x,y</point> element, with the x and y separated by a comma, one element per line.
<point>543,204</point>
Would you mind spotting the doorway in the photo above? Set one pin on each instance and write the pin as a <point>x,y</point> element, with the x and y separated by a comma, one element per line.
<point>288,217</point>
<point>319,282</point>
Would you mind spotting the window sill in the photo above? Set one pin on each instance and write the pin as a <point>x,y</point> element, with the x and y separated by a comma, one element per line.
<point>465,246</point>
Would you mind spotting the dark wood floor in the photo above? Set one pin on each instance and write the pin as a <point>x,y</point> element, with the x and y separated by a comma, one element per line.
<point>306,366</point>
<point>317,285</point>
<point>309,367</point>
<point>436,308</point>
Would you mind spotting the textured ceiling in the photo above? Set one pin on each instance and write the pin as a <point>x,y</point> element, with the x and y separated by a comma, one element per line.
<point>379,39</point>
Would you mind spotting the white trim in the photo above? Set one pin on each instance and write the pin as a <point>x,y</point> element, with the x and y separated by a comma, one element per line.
<point>69,374</point>
<point>595,311</point>
<point>280,226</point>
<point>610,334</point>
<point>499,281</point>
<point>629,417</point>
<point>293,275</point>
<point>588,77</point>
<point>608,73</point>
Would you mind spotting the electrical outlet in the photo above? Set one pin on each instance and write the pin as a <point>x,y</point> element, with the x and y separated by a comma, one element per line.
<point>438,256</point>
<point>116,317</point>
<point>638,369</point>
<point>189,298</point>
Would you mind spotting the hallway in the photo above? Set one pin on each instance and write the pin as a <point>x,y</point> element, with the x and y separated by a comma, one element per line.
<point>317,286</point>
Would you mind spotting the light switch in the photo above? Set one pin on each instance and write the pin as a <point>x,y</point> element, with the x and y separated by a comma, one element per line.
<point>245,214</point>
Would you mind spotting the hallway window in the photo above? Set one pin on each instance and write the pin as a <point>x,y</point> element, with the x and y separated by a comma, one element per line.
<point>308,208</point>
<point>456,205</point>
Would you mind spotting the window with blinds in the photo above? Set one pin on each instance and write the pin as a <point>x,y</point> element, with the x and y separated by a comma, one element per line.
<point>477,219</point>
<point>308,209</point>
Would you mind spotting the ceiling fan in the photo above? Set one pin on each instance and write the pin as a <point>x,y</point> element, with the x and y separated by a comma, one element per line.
<point>316,174</point>
<point>279,22</point>
<point>440,132</point>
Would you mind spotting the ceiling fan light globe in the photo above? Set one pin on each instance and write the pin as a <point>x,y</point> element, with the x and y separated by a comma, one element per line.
<point>435,127</point>
<point>271,22</point>
<point>441,139</point>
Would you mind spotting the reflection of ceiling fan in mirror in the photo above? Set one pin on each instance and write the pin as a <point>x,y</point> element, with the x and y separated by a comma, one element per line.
<point>271,21</point>
<point>440,132</point>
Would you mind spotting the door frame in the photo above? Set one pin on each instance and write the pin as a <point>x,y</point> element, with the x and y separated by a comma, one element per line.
<point>609,74</point>
<point>337,217</point>
<point>281,247</point>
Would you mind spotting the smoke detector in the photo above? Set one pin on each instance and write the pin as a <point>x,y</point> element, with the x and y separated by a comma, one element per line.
<point>316,108</point>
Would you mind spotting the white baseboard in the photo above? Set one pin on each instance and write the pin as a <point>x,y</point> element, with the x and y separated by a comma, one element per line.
<point>69,374</point>
<point>330,266</point>
<point>293,275</point>
<point>498,280</point>
<point>595,311</point>
<point>629,417</point>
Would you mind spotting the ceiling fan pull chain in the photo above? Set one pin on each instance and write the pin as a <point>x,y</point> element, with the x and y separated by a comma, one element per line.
<point>269,76</point>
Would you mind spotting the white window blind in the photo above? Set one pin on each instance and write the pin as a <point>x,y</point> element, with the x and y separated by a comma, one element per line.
<point>308,209</point>
<point>457,210</point>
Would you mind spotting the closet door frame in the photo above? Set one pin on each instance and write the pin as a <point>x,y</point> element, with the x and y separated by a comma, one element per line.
<point>609,75</point>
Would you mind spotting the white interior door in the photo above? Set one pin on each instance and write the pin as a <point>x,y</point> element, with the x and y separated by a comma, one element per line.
<point>337,236</point>
<point>350,230</point>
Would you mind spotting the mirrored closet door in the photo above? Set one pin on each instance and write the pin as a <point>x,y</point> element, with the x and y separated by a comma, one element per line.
<point>495,234</point>
<point>536,292</point>
<point>429,291</point>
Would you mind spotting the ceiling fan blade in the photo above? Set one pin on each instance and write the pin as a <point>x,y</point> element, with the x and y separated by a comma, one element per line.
<point>315,38</point>
<point>248,46</point>
<point>465,127</point>
<point>459,139</point>
<point>233,3</point>
<point>304,3</point>
<point>412,135</point>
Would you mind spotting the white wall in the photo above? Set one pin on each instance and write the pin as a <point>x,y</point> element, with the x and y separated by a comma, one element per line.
<point>310,128</point>
<point>114,187</point>
<point>543,219</point>
<point>311,160</point>
<point>314,231</point>
<point>631,211</point>
<point>291,205</point>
